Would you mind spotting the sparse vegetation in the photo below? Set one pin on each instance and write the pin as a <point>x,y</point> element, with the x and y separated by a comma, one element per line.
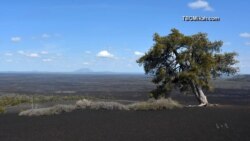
<point>86,104</point>
<point>89,86</point>
<point>13,100</point>
<point>57,109</point>
<point>103,105</point>
<point>153,104</point>
<point>2,109</point>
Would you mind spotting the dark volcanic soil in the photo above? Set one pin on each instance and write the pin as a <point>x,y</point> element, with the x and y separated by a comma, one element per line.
<point>223,123</point>
<point>188,124</point>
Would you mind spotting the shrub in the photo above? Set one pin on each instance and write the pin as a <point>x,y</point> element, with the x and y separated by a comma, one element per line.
<point>108,106</point>
<point>86,104</point>
<point>2,109</point>
<point>155,104</point>
<point>96,105</point>
<point>13,100</point>
<point>57,109</point>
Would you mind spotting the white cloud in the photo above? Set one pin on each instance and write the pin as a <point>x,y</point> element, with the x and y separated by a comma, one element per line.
<point>46,35</point>
<point>105,54</point>
<point>32,55</point>
<point>8,54</point>
<point>21,52</point>
<point>200,4</point>
<point>85,63</point>
<point>47,60</point>
<point>27,54</point>
<point>245,35</point>
<point>44,52</point>
<point>247,43</point>
<point>138,53</point>
<point>16,39</point>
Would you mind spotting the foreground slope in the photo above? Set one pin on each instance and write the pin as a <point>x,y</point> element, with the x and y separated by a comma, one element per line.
<point>203,124</point>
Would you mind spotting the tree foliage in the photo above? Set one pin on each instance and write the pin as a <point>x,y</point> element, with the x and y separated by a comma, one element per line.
<point>181,61</point>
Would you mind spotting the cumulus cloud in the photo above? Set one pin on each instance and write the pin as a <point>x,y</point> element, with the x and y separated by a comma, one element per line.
<point>245,35</point>
<point>138,53</point>
<point>200,4</point>
<point>47,60</point>
<point>85,63</point>
<point>46,36</point>
<point>32,55</point>
<point>16,39</point>
<point>21,52</point>
<point>105,54</point>
<point>44,52</point>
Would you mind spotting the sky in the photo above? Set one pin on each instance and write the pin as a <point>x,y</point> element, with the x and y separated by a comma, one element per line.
<point>110,35</point>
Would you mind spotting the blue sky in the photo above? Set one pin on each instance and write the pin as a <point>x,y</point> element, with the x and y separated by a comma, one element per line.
<point>109,35</point>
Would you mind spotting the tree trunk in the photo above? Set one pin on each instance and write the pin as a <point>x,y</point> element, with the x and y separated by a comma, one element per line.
<point>195,91</point>
<point>200,96</point>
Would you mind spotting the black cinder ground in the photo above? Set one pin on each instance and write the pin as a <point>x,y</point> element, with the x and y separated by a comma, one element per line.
<point>187,124</point>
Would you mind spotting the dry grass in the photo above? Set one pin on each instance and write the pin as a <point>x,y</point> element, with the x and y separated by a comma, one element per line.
<point>97,105</point>
<point>15,99</point>
<point>86,104</point>
<point>155,104</point>
<point>57,109</point>
<point>2,109</point>
<point>12,100</point>
<point>83,104</point>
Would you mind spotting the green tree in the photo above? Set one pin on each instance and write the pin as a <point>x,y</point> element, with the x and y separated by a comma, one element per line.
<point>187,63</point>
